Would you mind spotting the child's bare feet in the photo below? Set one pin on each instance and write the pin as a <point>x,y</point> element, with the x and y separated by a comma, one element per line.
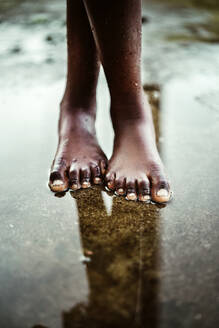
<point>79,160</point>
<point>135,169</point>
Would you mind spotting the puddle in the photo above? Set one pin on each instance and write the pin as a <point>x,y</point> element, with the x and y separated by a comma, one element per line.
<point>206,30</point>
<point>88,258</point>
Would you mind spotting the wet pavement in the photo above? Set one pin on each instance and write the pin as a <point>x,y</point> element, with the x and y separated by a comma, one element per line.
<point>88,259</point>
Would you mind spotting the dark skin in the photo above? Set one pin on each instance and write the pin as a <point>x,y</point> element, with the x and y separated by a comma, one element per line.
<point>108,32</point>
<point>79,161</point>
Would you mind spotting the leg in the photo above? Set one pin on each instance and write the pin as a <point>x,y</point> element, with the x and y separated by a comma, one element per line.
<point>79,159</point>
<point>135,167</point>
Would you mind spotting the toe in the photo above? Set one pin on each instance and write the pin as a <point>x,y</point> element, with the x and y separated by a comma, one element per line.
<point>74,179</point>
<point>110,180</point>
<point>58,180</point>
<point>85,176</point>
<point>144,190</point>
<point>120,186</point>
<point>160,188</point>
<point>96,174</point>
<point>131,190</point>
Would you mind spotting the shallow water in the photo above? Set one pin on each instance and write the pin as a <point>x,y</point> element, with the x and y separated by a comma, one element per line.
<point>88,259</point>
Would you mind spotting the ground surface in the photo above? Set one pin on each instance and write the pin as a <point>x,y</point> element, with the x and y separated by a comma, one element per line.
<point>89,259</point>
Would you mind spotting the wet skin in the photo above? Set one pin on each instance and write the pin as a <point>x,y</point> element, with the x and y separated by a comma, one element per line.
<point>145,178</point>
<point>79,161</point>
<point>113,37</point>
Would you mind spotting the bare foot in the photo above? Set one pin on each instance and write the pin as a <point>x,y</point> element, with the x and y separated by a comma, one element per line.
<point>136,169</point>
<point>79,160</point>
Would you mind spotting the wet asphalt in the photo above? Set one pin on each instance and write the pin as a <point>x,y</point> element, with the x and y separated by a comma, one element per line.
<point>88,258</point>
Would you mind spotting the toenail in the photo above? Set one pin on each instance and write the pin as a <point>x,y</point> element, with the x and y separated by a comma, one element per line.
<point>131,196</point>
<point>57,183</point>
<point>144,198</point>
<point>74,186</point>
<point>97,180</point>
<point>162,193</point>
<point>120,191</point>
<point>85,184</point>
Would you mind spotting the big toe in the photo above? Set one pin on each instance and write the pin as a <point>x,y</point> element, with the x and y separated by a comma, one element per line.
<point>58,180</point>
<point>160,189</point>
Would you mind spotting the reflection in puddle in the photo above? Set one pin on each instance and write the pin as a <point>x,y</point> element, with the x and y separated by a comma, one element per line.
<point>122,263</point>
<point>154,93</point>
<point>121,259</point>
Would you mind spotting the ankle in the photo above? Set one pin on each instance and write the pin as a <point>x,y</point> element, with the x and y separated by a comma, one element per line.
<point>130,111</point>
<point>71,105</point>
<point>77,94</point>
<point>76,119</point>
